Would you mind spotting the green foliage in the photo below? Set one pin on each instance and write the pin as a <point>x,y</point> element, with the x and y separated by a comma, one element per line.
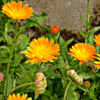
<point>84,22</point>
<point>82,33</point>
<point>89,37</point>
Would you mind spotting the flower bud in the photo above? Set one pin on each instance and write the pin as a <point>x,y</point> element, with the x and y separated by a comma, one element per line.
<point>18,39</point>
<point>75,94</point>
<point>55,29</point>
<point>86,84</point>
<point>1,77</point>
<point>81,81</point>
<point>78,80</point>
<point>39,76</point>
<point>66,66</point>
<point>40,83</point>
<point>71,73</point>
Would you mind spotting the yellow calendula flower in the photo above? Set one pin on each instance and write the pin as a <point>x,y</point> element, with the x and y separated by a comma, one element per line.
<point>16,11</point>
<point>97,62</point>
<point>42,50</point>
<point>83,52</point>
<point>18,97</point>
<point>97,40</point>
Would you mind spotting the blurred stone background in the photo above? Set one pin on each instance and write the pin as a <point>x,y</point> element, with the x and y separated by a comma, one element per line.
<point>66,14</point>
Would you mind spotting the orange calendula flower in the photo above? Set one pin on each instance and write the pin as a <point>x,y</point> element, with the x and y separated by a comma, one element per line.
<point>16,11</point>
<point>83,52</point>
<point>18,97</point>
<point>55,29</point>
<point>97,40</point>
<point>42,50</point>
<point>97,62</point>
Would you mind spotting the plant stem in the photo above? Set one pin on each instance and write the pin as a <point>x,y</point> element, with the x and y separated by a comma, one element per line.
<point>22,85</point>
<point>88,21</point>
<point>65,94</point>
<point>10,57</point>
<point>80,67</point>
<point>38,67</point>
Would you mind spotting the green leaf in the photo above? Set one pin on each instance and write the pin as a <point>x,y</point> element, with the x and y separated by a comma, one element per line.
<point>25,41</point>
<point>64,83</point>
<point>64,53</point>
<point>27,73</point>
<point>9,84</point>
<point>50,72</point>
<point>87,15</point>
<point>11,20</point>
<point>39,18</point>
<point>4,1</point>
<point>49,89</point>
<point>25,26</point>
<point>32,23</point>
<point>5,47</point>
<point>58,86</point>
<point>91,39</point>
<point>44,97</point>
<point>90,16</point>
<point>92,93</point>
<point>8,39</point>
<point>2,97</point>
<point>36,96</point>
<point>55,97</point>
<point>38,24</point>
<point>84,22</point>
<point>81,88</point>
<point>24,77</point>
<point>94,30</point>
<point>85,75</point>
<point>43,68</point>
<point>97,48</point>
<point>57,35</point>
<point>82,33</point>
<point>1,38</point>
<point>17,60</point>
<point>47,93</point>
<point>29,66</point>
<point>8,27</point>
<point>62,63</point>
<point>98,74</point>
<point>73,98</point>
<point>62,41</point>
<point>49,36</point>
<point>4,54</point>
<point>86,40</point>
<point>67,43</point>
<point>89,24</point>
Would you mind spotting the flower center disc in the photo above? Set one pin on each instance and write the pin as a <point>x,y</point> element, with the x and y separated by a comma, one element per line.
<point>43,52</point>
<point>82,55</point>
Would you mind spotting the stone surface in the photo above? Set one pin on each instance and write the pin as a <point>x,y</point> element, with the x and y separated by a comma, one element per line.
<point>64,13</point>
